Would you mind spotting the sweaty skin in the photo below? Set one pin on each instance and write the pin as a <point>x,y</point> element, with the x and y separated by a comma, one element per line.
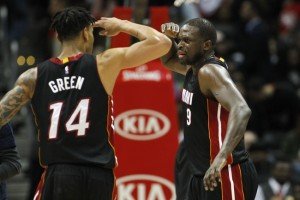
<point>215,83</point>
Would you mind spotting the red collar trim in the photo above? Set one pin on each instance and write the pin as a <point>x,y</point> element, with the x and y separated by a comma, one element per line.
<point>67,59</point>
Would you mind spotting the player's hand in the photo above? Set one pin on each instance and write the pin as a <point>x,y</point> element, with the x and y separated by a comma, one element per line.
<point>213,174</point>
<point>170,29</point>
<point>111,26</point>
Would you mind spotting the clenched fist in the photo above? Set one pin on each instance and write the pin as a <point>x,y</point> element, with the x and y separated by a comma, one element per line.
<point>170,29</point>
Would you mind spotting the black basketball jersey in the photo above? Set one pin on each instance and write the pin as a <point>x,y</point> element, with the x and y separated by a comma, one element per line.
<point>205,124</point>
<point>73,113</point>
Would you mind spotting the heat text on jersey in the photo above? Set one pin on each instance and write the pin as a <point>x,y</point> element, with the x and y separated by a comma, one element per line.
<point>187,97</point>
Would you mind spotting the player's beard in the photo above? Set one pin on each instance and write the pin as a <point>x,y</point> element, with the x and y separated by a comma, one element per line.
<point>187,60</point>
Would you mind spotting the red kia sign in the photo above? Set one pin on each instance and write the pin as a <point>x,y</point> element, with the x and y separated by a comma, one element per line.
<point>146,136</point>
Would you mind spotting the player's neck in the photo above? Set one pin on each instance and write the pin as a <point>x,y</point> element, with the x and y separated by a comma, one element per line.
<point>208,55</point>
<point>202,60</point>
<point>70,49</point>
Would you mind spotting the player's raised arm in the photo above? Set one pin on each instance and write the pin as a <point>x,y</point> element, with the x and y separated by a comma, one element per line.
<point>17,97</point>
<point>152,45</point>
<point>171,60</point>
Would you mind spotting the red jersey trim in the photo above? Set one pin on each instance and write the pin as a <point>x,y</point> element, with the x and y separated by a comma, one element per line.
<point>114,192</point>
<point>40,187</point>
<point>66,60</point>
<point>213,129</point>
<point>217,127</point>
<point>231,178</point>
<point>110,126</point>
<point>232,184</point>
<point>39,135</point>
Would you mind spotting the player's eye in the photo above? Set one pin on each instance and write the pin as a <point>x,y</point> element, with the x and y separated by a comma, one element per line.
<point>186,40</point>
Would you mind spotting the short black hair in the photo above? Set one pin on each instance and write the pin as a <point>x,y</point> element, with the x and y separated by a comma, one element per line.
<point>70,21</point>
<point>206,29</point>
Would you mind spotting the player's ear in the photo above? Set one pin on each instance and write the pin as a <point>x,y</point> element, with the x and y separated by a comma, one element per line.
<point>207,45</point>
<point>56,35</point>
<point>85,34</point>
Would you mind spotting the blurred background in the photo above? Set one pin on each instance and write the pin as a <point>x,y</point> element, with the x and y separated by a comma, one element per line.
<point>259,39</point>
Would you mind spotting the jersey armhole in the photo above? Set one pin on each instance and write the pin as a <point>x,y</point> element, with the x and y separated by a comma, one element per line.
<point>99,77</point>
<point>36,83</point>
<point>198,80</point>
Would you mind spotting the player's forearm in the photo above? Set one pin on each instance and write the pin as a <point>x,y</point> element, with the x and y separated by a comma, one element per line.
<point>170,56</point>
<point>171,60</point>
<point>10,163</point>
<point>142,32</point>
<point>237,123</point>
<point>5,116</point>
<point>11,104</point>
<point>16,98</point>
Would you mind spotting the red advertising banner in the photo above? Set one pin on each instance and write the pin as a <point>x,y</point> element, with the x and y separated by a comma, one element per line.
<point>158,16</point>
<point>146,129</point>
<point>122,40</point>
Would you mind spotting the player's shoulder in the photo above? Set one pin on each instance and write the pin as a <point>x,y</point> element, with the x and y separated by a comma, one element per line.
<point>88,59</point>
<point>88,56</point>
<point>46,64</point>
<point>30,74</point>
<point>211,69</point>
<point>111,53</point>
<point>111,56</point>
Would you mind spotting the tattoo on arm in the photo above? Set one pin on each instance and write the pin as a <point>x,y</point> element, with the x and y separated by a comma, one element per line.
<point>28,79</point>
<point>13,101</point>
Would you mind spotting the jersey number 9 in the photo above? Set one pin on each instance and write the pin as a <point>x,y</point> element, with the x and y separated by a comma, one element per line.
<point>188,116</point>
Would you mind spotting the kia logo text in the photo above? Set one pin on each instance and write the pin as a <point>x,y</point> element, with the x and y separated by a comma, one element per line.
<point>145,187</point>
<point>142,124</point>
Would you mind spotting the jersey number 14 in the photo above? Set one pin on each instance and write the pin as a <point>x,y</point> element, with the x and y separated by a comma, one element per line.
<point>80,112</point>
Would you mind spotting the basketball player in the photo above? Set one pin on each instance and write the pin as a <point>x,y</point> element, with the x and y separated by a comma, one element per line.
<point>215,118</point>
<point>71,99</point>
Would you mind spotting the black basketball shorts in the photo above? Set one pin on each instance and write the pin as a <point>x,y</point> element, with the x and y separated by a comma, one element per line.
<point>239,182</point>
<point>75,182</point>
